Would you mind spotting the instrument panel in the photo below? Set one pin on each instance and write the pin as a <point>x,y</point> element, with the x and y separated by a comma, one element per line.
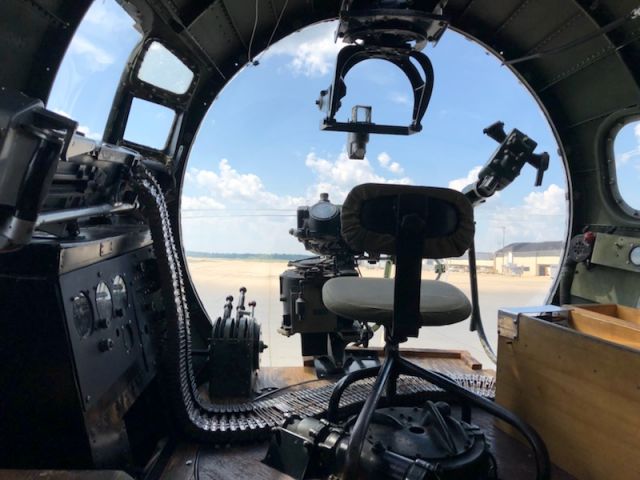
<point>109,329</point>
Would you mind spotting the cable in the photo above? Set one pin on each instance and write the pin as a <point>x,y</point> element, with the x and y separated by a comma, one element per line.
<point>286,387</point>
<point>635,13</point>
<point>476,318</point>
<point>277,23</point>
<point>196,464</point>
<point>253,32</point>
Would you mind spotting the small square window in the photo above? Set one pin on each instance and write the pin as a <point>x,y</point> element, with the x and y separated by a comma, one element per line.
<point>164,70</point>
<point>149,124</point>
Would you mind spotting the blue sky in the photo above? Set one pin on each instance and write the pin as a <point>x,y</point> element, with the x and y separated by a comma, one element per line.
<point>259,153</point>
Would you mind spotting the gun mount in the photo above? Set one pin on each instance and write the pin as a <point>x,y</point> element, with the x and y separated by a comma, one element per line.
<point>503,167</point>
<point>324,334</point>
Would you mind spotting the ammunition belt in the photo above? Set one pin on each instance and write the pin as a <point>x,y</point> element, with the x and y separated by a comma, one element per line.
<point>234,422</point>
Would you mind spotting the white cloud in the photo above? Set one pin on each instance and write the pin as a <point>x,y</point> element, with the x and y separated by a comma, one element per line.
<point>96,58</point>
<point>201,203</point>
<point>339,176</point>
<point>61,112</point>
<point>550,202</point>
<point>460,183</point>
<point>107,16</point>
<point>231,185</point>
<point>313,51</point>
<point>540,216</point>
<point>384,159</point>
<point>634,152</point>
<point>227,188</point>
<point>81,128</point>
<point>89,133</point>
<point>400,98</point>
<point>218,201</point>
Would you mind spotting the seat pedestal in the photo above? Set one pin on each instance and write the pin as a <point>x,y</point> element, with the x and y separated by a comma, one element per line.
<point>387,375</point>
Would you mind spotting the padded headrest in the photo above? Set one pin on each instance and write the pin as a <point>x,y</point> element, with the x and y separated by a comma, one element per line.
<point>370,208</point>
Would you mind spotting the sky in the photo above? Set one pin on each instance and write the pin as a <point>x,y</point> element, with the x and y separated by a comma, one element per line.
<point>259,153</point>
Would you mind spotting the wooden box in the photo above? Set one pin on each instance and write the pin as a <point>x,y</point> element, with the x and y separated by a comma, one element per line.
<point>575,377</point>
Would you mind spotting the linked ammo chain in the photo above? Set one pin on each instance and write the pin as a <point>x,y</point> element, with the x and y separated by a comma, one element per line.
<point>234,422</point>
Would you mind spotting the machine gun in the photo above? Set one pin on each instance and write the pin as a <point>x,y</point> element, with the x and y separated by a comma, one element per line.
<point>324,334</point>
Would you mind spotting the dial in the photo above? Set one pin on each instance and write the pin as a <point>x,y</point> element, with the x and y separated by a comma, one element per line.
<point>634,256</point>
<point>104,304</point>
<point>82,315</point>
<point>119,294</point>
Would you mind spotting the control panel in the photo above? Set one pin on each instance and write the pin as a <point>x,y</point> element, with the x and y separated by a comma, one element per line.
<point>109,319</point>
<point>77,342</point>
<point>617,251</point>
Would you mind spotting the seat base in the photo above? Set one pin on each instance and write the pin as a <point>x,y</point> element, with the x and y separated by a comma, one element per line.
<point>371,300</point>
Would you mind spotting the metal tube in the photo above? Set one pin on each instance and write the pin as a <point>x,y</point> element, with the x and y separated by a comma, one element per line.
<point>476,317</point>
<point>341,386</point>
<point>359,431</point>
<point>58,216</point>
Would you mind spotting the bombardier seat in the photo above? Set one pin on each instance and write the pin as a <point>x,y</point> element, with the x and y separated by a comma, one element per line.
<point>368,220</point>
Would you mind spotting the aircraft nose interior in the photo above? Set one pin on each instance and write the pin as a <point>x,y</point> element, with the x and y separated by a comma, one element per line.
<point>111,364</point>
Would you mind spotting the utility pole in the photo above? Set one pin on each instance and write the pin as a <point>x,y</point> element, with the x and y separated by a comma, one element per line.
<point>504,229</point>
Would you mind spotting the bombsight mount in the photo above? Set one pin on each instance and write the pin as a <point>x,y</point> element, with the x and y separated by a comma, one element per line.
<point>395,31</point>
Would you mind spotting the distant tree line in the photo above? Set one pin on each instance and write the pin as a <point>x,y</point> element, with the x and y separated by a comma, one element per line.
<point>248,256</point>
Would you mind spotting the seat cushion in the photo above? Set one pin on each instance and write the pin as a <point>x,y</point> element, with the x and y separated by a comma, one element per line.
<point>371,300</point>
<point>363,238</point>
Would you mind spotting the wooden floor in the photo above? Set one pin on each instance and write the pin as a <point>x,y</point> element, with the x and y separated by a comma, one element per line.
<point>191,461</point>
<point>245,462</point>
<point>515,461</point>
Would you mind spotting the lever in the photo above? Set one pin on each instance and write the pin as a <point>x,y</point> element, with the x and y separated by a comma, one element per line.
<point>240,306</point>
<point>539,161</point>
<point>228,306</point>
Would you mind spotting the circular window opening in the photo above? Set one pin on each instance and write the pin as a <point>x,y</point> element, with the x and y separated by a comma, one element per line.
<point>260,154</point>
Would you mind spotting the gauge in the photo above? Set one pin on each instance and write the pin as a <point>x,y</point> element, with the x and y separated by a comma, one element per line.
<point>119,294</point>
<point>634,256</point>
<point>323,211</point>
<point>104,305</point>
<point>82,314</point>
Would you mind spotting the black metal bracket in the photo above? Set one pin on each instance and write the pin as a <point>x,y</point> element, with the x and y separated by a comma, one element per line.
<point>421,82</point>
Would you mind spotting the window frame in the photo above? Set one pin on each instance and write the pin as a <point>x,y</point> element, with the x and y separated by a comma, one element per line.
<point>616,124</point>
<point>167,95</point>
<point>142,146</point>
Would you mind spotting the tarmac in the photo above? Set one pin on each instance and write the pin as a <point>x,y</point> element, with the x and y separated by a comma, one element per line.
<point>217,278</point>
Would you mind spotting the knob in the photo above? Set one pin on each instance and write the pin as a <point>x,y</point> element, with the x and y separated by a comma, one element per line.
<point>105,345</point>
<point>496,132</point>
<point>104,323</point>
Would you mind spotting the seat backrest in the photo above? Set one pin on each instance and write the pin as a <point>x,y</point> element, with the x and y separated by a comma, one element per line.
<point>370,219</point>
